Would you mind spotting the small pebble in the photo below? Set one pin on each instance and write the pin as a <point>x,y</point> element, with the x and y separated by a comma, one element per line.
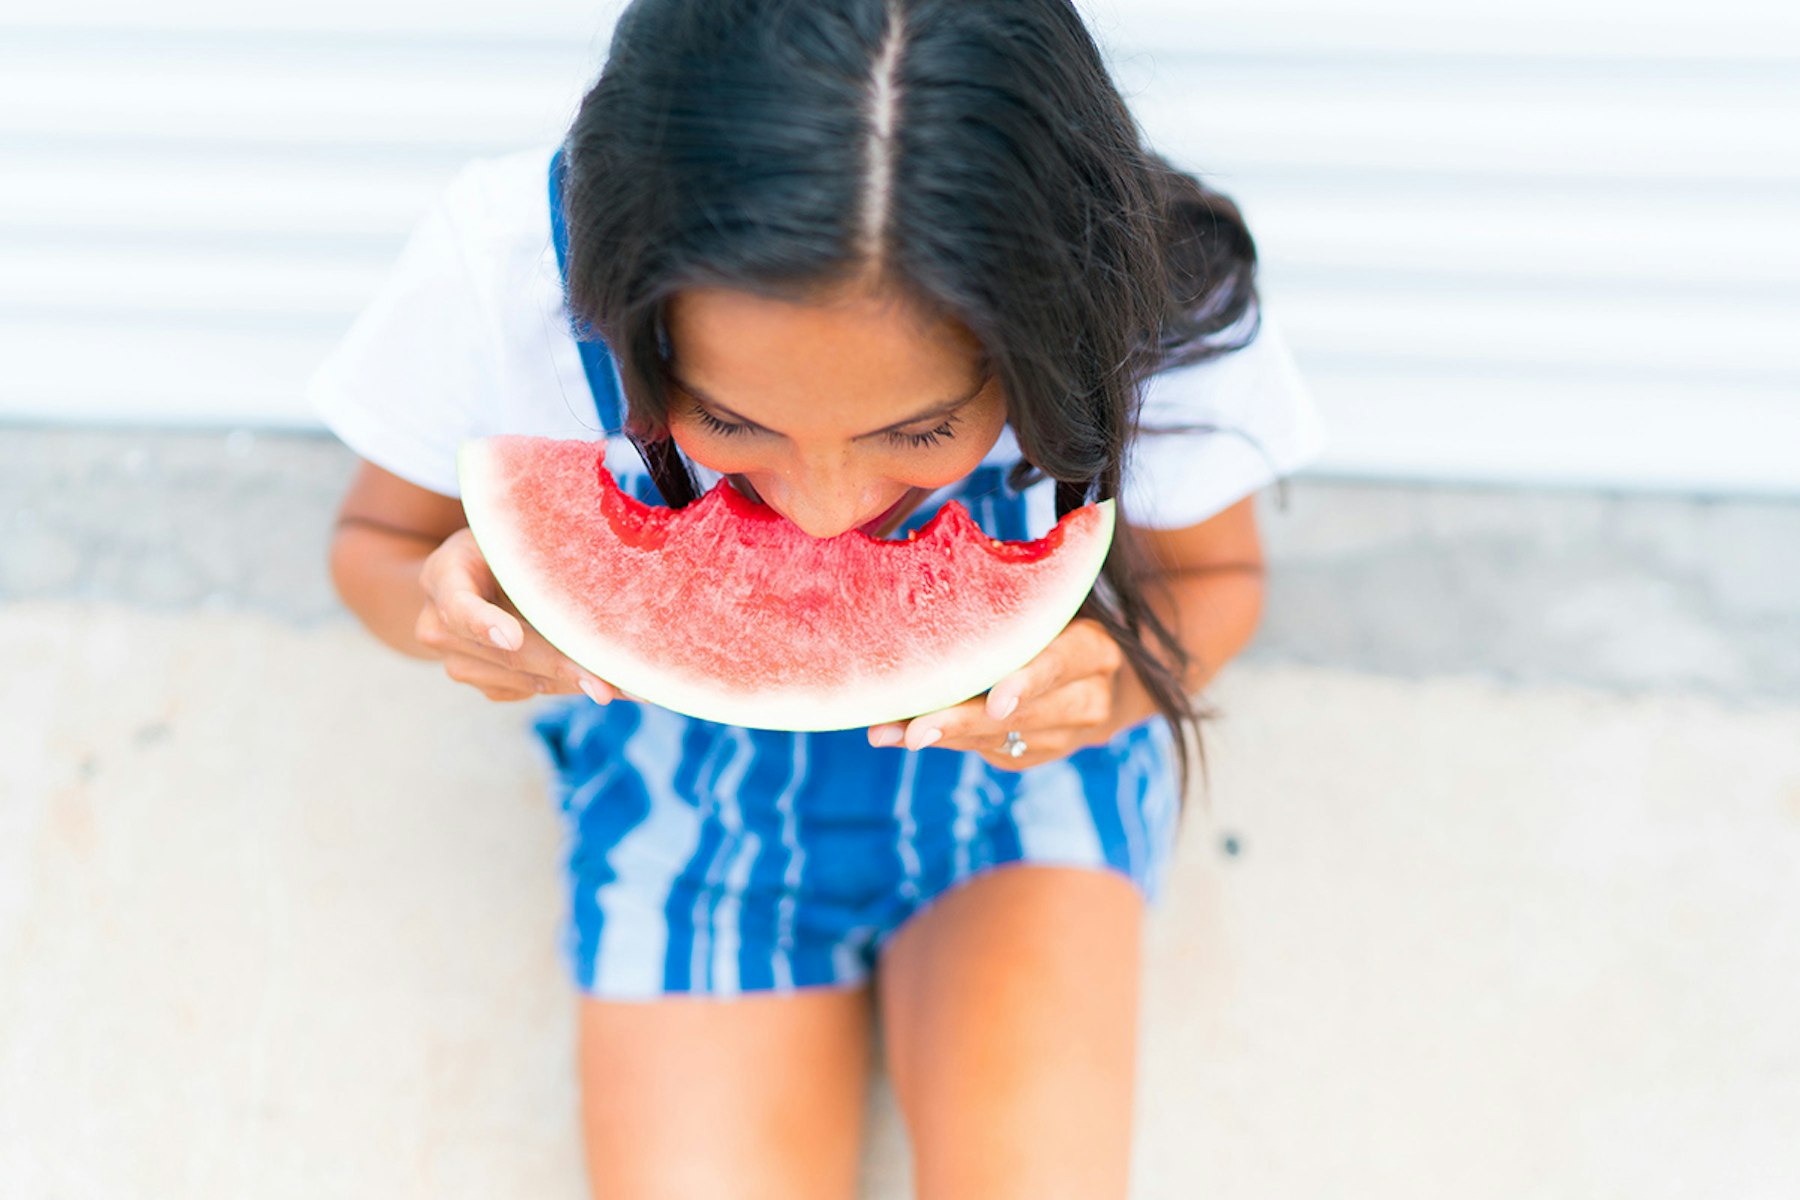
<point>149,735</point>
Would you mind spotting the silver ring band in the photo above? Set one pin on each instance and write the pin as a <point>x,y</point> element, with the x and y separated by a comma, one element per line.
<point>1015,745</point>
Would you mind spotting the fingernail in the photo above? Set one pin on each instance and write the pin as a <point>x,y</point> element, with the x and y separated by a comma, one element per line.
<point>595,691</point>
<point>886,735</point>
<point>1003,709</point>
<point>929,738</point>
<point>498,638</point>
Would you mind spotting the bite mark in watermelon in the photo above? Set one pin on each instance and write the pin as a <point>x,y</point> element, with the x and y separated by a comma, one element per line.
<point>727,611</point>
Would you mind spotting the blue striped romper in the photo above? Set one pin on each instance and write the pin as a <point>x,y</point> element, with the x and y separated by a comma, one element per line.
<point>712,859</point>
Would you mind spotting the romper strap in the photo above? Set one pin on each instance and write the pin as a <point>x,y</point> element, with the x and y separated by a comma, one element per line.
<point>596,359</point>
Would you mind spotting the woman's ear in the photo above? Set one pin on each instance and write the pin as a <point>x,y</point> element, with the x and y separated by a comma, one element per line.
<point>641,429</point>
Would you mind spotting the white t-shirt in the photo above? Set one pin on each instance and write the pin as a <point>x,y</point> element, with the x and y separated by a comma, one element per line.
<point>467,337</point>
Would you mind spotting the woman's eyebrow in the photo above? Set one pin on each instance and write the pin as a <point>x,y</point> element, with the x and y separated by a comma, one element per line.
<point>938,410</point>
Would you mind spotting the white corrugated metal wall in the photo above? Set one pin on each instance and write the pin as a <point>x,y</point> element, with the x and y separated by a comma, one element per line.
<point>1550,242</point>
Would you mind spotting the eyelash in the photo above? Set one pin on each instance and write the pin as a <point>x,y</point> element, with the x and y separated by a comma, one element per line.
<point>728,429</point>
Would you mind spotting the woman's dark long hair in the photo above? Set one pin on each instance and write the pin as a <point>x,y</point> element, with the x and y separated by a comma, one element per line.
<point>975,159</point>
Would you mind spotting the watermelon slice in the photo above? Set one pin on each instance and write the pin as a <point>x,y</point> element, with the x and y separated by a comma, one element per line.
<point>727,611</point>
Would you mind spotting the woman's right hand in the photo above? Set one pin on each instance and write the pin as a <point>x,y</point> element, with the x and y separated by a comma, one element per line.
<point>480,636</point>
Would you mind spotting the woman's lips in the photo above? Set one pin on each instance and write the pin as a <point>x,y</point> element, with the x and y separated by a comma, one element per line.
<point>872,527</point>
<point>897,512</point>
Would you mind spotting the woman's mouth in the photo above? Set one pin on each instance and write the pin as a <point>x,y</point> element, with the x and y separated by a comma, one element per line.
<point>895,513</point>
<point>872,526</point>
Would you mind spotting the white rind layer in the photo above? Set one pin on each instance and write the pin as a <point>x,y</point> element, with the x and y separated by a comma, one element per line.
<point>860,702</point>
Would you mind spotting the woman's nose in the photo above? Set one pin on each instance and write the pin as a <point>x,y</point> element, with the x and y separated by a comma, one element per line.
<point>826,504</point>
<point>826,517</point>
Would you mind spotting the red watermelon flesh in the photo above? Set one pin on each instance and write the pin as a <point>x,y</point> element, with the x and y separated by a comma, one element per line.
<point>727,611</point>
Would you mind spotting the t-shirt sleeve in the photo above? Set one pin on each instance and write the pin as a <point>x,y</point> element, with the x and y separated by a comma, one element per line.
<point>408,381</point>
<point>1261,425</point>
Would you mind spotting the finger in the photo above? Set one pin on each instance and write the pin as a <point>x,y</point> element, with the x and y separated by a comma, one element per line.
<point>1082,648</point>
<point>1037,741</point>
<point>493,680</point>
<point>550,671</point>
<point>535,655</point>
<point>562,673</point>
<point>597,690</point>
<point>958,720</point>
<point>1041,746</point>
<point>1083,702</point>
<point>891,734</point>
<point>489,613</point>
<point>465,593</point>
<point>522,647</point>
<point>520,684</point>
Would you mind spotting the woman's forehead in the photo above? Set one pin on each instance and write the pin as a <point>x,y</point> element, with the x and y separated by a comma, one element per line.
<point>883,318</point>
<point>771,357</point>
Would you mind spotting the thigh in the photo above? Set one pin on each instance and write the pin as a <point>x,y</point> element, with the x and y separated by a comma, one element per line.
<point>1009,1011</point>
<point>699,1097</point>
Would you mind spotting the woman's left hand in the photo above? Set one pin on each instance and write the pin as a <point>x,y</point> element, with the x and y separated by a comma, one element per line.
<point>1064,703</point>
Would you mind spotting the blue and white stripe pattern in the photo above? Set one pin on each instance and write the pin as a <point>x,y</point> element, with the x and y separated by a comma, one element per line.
<point>709,858</point>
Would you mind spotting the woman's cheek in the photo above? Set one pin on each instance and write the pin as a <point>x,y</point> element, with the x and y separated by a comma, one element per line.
<point>711,451</point>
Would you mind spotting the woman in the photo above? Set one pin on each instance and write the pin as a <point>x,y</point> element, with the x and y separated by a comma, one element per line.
<point>856,258</point>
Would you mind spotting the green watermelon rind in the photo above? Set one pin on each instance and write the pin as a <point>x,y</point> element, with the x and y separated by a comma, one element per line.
<point>872,700</point>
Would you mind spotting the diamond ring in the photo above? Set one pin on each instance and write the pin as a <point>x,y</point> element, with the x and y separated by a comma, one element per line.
<point>1015,745</point>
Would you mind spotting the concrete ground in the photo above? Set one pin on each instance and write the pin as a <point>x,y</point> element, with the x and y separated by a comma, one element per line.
<point>1496,899</point>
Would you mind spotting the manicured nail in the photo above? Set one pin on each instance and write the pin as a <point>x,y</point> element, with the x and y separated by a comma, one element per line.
<point>929,738</point>
<point>1002,709</point>
<point>595,691</point>
<point>886,735</point>
<point>498,638</point>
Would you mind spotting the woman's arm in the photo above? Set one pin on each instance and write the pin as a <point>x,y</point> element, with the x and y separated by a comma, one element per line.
<point>386,529</point>
<point>1213,602</point>
<point>403,560</point>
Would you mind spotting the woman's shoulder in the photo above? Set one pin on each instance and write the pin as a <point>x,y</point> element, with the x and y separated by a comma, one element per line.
<point>497,209</point>
<point>499,205</point>
<point>1219,429</point>
<point>1248,349</point>
<point>460,337</point>
<point>1258,385</point>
